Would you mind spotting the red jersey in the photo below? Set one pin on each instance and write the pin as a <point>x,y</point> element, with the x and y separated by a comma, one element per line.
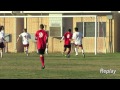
<point>41,37</point>
<point>67,37</point>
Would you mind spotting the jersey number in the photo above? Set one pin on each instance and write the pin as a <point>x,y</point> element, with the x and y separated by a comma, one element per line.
<point>68,36</point>
<point>40,35</point>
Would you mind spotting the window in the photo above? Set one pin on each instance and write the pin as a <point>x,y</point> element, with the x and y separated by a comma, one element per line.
<point>102,29</point>
<point>89,29</point>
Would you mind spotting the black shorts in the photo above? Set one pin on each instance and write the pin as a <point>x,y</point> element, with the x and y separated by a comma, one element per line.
<point>26,45</point>
<point>67,46</point>
<point>41,51</point>
<point>2,45</point>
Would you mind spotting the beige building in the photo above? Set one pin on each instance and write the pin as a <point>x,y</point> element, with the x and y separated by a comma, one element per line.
<point>100,29</point>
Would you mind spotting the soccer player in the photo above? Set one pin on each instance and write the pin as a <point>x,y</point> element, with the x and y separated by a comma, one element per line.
<point>2,32</point>
<point>41,36</point>
<point>67,42</point>
<point>77,38</point>
<point>25,40</point>
<point>1,41</point>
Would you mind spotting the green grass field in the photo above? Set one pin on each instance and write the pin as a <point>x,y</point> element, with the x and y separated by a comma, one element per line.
<point>19,66</point>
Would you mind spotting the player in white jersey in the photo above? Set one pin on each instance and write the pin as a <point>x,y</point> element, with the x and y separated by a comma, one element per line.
<point>1,41</point>
<point>77,38</point>
<point>25,40</point>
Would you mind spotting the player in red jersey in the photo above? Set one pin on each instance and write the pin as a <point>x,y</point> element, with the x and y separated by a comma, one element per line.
<point>41,36</point>
<point>67,42</point>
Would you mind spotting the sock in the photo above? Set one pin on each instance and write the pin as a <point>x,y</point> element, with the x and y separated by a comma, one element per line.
<point>82,51</point>
<point>37,51</point>
<point>69,51</point>
<point>42,60</point>
<point>64,51</point>
<point>46,50</point>
<point>26,51</point>
<point>76,50</point>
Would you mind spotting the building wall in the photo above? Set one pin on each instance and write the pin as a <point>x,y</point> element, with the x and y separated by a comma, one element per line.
<point>116,32</point>
<point>67,24</point>
<point>14,27</point>
<point>32,26</point>
<point>19,30</point>
<point>2,21</point>
<point>10,28</point>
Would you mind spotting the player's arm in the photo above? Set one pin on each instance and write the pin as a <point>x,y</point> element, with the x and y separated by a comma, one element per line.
<point>62,39</point>
<point>3,39</point>
<point>46,38</point>
<point>29,36</point>
<point>46,41</point>
<point>73,38</point>
<point>18,38</point>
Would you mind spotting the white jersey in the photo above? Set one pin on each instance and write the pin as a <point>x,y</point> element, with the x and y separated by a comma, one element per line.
<point>25,37</point>
<point>77,37</point>
<point>1,37</point>
<point>2,32</point>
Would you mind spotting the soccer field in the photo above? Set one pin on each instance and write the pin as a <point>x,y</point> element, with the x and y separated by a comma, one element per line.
<point>19,66</point>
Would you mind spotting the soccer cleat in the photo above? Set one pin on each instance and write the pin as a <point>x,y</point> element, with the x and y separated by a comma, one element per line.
<point>62,53</point>
<point>83,55</point>
<point>68,56</point>
<point>27,54</point>
<point>43,67</point>
<point>76,55</point>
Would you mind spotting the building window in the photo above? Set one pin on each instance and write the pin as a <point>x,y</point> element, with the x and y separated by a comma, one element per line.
<point>89,29</point>
<point>102,29</point>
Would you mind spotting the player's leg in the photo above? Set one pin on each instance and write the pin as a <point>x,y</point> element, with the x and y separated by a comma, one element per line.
<point>1,53</point>
<point>69,50</point>
<point>82,50</point>
<point>76,50</point>
<point>46,50</point>
<point>41,52</point>
<point>1,49</point>
<point>26,49</point>
<point>65,48</point>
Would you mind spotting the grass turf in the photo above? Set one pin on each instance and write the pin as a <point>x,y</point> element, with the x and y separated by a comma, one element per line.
<point>19,66</point>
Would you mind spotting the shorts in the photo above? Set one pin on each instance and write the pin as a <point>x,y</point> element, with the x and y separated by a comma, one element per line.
<point>41,51</point>
<point>79,45</point>
<point>67,46</point>
<point>26,45</point>
<point>2,45</point>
